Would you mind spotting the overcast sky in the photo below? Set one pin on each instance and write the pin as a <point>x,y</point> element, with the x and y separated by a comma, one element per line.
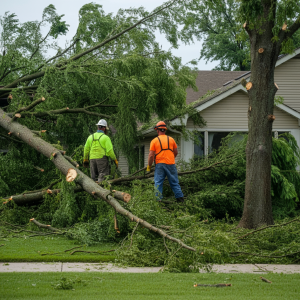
<point>29,10</point>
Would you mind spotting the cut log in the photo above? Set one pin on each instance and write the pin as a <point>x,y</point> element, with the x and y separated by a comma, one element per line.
<point>284,27</point>
<point>116,224</point>
<point>265,280</point>
<point>122,196</point>
<point>40,169</point>
<point>249,86</point>
<point>71,175</point>
<point>271,118</point>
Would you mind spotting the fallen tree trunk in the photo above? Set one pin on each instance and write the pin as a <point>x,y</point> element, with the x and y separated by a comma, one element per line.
<point>28,198</point>
<point>36,196</point>
<point>62,164</point>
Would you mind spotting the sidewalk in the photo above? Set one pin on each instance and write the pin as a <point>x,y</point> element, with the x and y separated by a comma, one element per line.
<point>107,267</point>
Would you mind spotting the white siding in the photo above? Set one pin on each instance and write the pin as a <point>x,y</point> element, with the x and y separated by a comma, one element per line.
<point>287,77</point>
<point>123,165</point>
<point>232,113</point>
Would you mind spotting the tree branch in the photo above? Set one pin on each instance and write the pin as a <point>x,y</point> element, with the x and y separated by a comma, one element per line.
<point>122,32</point>
<point>49,227</point>
<point>38,46</point>
<point>40,114</point>
<point>151,174</point>
<point>292,29</point>
<point>10,138</point>
<point>270,226</point>
<point>29,107</point>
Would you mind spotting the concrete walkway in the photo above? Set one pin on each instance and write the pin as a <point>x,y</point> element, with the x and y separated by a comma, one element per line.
<point>107,267</point>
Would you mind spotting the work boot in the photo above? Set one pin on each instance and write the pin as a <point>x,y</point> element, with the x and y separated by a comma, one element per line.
<point>180,200</point>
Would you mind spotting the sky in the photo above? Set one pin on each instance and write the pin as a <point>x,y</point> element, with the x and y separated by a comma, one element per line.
<point>29,10</point>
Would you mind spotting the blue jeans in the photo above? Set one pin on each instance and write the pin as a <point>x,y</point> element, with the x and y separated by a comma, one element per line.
<point>163,170</point>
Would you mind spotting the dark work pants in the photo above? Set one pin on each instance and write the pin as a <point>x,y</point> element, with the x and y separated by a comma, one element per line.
<point>99,168</point>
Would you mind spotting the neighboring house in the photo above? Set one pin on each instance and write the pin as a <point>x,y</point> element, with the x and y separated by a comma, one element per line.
<point>225,106</point>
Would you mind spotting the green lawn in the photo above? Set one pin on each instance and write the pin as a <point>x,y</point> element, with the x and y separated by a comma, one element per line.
<point>148,286</point>
<point>31,250</point>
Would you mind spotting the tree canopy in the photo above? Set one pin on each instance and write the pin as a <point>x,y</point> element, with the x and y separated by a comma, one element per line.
<point>219,26</point>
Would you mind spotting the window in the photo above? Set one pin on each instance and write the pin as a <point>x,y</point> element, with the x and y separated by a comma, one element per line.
<point>199,147</point>
<point>214,142</point>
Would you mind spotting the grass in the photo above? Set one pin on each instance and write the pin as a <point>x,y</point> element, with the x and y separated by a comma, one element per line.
<point>148,286</point>
<point>32,250</point>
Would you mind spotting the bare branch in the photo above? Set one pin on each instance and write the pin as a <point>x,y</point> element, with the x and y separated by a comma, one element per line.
<point>66,110</point>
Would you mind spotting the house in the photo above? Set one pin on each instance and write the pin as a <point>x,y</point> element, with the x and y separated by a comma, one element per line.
<point>224,106</point>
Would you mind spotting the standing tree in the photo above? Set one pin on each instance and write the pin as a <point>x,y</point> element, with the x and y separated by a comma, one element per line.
<point>270,25</point>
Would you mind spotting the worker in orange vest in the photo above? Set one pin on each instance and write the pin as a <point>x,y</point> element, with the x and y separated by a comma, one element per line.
<point>163,150</point>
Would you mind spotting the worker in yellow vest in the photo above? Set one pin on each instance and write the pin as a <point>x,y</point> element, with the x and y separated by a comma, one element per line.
<point>98,148</point>
<point>163,150</point>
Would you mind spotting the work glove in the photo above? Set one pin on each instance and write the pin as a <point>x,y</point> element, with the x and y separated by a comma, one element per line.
<point>148,168</point>
<point>117,163</point>
<point>85,163</point>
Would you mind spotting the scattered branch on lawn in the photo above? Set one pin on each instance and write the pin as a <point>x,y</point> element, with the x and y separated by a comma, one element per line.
<point>49,227</point>
<point>213,285</point>
<point>74,248</point>
<point>92,251</point>
<point>266,227</point>
<point>265,280</point>
<point>2,245</point>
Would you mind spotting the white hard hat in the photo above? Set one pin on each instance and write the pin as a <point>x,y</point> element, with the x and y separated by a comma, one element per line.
<point>102,123</point>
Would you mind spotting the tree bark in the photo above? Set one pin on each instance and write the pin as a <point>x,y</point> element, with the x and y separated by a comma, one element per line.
<point>258,205</point>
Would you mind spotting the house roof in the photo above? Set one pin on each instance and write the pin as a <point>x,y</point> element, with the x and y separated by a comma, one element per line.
<point>214,86</point>
<point>233,82</point>
<point>211,80</point>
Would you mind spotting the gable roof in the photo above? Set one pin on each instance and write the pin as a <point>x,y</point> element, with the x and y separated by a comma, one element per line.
<point>229,88</point>
<point>211,80</point>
